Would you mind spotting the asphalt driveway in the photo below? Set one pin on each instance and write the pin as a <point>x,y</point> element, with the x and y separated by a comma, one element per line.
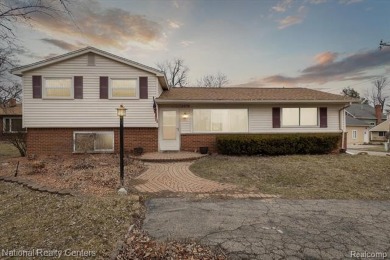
<point>276,228</point>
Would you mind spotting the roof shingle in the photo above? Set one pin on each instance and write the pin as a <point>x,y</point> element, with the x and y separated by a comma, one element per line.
<point>250,94</point>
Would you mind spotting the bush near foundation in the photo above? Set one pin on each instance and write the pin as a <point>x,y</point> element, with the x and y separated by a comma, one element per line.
<point>277,144</point>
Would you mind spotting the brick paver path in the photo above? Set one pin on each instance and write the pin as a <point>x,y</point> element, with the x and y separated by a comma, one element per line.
<point>177,177</point>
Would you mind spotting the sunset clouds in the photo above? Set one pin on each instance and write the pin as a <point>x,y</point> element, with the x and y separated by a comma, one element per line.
<point>328,69</point>
<point>94,25</point>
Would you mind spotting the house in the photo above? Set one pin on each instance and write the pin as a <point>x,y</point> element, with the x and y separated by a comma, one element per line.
<point>10,119</point>
<point>360,118</point>
<point>378,133</point>
<point>358,131</point>
<point>70,101</point>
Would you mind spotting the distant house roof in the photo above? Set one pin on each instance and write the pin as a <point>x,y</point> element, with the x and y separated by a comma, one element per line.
<point>382,127</point>
<point>255,95</point>
<point>362,111</point>
<point>20,70</point>
<point>11,111</point>
<point>350,121</point>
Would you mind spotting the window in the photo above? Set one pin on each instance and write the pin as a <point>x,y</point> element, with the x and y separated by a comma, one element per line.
<point>124,88</point>
<point>12,125</point>
<point>93,142</point>
<point>372,123</point>
<point>303,116</point>
<point>382,134</point>
<point>220,120</point>
<point>58,88</point>
<point>354,134</point>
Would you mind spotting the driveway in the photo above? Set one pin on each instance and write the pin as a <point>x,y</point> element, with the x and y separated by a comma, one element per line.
<point>276,228</point>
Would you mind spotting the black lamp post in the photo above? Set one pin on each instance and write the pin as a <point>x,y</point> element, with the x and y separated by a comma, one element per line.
<point>121,112</point>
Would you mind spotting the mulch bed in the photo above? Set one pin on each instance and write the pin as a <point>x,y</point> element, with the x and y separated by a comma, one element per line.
<point>86,173</point>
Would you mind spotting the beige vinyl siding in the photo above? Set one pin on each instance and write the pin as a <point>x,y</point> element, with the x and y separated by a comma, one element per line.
<point>91,111</point>
<point>260,119</point>
<point>185,123</point>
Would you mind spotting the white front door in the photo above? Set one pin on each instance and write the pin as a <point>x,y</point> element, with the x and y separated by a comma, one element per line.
<point>366,139</point>
<point>169,132</point>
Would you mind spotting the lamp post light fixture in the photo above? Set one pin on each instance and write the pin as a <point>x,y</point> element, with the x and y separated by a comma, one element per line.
<point>121,112</point>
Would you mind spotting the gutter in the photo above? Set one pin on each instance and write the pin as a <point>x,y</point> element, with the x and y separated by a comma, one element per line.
<point>167,101</point>
<point>341,128</point>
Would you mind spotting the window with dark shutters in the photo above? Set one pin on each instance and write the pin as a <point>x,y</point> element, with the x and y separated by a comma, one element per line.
<point>323,117</point>
<point>37,86</point>
<point>276,117</point>
<point>78,87</point>
<point>143,87</point>
<point>104,87</point>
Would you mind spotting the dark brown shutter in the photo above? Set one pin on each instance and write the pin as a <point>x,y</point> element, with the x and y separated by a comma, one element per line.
<point>143,87</point>
<point>78,87</point>
<point>323,117</point>
<point>276,117</point>
<point>104,87</point>
<point>37,86</point>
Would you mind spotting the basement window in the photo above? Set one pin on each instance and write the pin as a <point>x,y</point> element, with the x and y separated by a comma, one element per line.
<point>93,142</point>
<point>13,125</point>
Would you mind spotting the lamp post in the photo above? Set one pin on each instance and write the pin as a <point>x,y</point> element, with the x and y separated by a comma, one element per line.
<point>121,112</point>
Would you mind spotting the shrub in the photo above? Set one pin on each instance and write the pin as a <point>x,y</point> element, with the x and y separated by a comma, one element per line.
<point>277,144</point>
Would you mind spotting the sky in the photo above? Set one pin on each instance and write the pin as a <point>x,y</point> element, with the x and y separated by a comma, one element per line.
<point>320,44</point>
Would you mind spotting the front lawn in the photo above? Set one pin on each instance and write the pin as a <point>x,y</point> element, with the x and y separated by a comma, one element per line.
<point>7,150</point>
<point>303,176</point>
<point>34,220</point>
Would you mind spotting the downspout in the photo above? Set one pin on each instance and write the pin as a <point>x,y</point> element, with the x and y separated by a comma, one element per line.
<point>343,145</point>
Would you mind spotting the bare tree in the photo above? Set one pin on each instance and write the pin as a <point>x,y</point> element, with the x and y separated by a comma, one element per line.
<point>213,81</point>
<point>377,94</point>
<point>175,72</point>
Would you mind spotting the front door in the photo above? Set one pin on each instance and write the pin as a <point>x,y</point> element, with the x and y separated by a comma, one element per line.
<point>366,139</point>
<point>169,132</point>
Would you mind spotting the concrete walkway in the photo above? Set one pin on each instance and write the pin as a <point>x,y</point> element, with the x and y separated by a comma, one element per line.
<point>277,228</point>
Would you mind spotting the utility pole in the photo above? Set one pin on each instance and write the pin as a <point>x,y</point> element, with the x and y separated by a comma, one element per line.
<point>383,44</point>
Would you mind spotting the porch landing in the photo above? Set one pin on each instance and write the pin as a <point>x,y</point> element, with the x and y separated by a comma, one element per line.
<point>169,156</point>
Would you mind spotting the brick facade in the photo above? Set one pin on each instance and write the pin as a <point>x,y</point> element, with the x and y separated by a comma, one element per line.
<point>59,141</point>
<point>192,142</point>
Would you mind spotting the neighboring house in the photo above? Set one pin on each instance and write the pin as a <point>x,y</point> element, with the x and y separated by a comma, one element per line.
<point>358,131</point>
<point>360,118</point>
<point>378,133</point>
<point>70,103</point>
<point>10,119</point>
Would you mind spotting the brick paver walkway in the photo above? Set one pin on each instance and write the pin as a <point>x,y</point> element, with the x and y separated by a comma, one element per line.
<point>177,177</point>
<point>169,156</point>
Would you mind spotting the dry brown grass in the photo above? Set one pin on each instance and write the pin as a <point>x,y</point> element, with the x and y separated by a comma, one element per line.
<point>7,150</point>
<point>303,177</point>
<point>34,220</point>
<point>96,174</point>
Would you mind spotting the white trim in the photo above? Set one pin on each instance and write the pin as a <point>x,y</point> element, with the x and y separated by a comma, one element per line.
<point>44,94</point>
<point>354,134</point>
<point>94,149</point>
<point>121,78</point>
<point>229,101</point>
<point>10,125</point>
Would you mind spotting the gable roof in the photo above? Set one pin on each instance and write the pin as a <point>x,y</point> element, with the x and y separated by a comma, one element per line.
<point>382,127</point>
<point>363,111</point>
<point>20,70</point>
<point>247,95</point>
<point>350,121</point>
<point>11,111</point>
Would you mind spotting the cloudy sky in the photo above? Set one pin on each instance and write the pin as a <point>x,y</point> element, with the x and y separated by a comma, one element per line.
<point>322,44</point>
